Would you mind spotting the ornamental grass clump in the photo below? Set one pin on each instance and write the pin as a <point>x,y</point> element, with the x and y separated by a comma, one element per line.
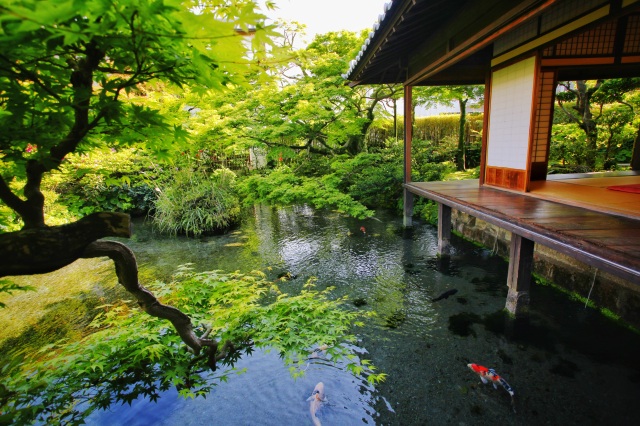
<point>194,203</point>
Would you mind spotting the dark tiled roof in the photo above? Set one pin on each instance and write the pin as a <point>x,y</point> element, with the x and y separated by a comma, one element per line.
<point>403,26</point>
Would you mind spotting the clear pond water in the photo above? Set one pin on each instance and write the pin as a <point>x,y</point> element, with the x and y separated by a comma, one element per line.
<point>568,365</point>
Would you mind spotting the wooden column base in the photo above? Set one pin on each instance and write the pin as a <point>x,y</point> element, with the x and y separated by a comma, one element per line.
<point>408,209</point>
<point>444,229</point>
<point>519,278</point>
<point>518,303</point>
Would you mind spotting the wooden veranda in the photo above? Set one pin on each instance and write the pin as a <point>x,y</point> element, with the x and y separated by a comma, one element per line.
<point>580,223</point>
<point>519,50</point>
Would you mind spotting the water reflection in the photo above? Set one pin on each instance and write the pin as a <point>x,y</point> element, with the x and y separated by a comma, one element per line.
<point>567,365</point>
<point>264,395</point>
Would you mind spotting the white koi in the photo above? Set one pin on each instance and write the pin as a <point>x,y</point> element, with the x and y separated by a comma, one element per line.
<point>315,402</point>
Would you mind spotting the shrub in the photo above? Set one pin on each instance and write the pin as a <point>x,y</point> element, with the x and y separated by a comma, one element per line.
<point>568,148</point>
<point>428,151</point>
<point>427,210</point>
<point>429,172</point>
<point>283,187</point>
<point>374,180</point>
<point>110,180</point>
<point>434,128</point>
<point>195,203</point>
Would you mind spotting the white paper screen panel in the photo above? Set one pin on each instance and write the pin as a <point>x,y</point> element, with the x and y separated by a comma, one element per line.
<point>510,115</point>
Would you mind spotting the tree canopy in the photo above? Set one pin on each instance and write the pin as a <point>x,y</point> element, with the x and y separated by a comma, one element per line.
<point>67,67</point>
<point>588,104</point>
<point>73,74</point>
<point>307,106</point>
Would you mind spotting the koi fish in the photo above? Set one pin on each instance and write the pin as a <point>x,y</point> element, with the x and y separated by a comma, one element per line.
<point>315,402</point>
<point>363,229</point>
<point>489,375</point>
<point>318,351</point>
<point>445,295</point>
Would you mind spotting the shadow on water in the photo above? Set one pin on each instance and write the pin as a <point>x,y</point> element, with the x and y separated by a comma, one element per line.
<point>567,365</point>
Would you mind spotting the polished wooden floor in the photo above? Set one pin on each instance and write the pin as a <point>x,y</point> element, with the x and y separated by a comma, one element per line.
<point>590,191</point>
<point>601,229</point>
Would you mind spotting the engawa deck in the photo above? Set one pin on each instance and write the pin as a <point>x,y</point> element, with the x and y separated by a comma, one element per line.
<point>606,241</point>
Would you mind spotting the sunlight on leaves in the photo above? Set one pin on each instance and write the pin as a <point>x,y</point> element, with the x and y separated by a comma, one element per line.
<point>129,354</point>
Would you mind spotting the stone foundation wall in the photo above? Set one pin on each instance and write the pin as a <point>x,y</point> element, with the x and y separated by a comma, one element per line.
<point>619,296</point>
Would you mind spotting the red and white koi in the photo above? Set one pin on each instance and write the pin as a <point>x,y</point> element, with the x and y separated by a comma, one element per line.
<point>489,375</point>
<point>315,402</point>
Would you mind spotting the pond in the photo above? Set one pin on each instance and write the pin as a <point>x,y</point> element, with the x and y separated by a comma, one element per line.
<point>567,365</point>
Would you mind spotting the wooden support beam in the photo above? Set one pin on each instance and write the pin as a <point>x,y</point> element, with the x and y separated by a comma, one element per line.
<point>519,277</point>
<point>408,209</point>
<point>408,136</point>
<point>408,131</point>
<point>444,229</point>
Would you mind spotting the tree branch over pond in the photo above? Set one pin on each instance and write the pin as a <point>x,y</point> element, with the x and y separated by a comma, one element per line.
<point>62,76</point>
<point>127,271</point>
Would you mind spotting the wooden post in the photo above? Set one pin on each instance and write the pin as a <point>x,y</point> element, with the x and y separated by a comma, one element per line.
<point>408,132</point>
<point>519,278</point>
<point>408,136</point>
<point>444,229</point>
<point>485,127</point>
<point>408,209</point>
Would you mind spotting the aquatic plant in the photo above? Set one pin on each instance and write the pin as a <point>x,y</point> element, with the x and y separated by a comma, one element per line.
<point>129,354</point>
<point>607,313</point>
<point>388,294</point>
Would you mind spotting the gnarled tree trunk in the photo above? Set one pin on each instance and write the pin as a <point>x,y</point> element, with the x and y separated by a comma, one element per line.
<point>46,249</point>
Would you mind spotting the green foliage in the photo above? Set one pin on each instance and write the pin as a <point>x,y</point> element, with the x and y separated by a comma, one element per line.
<point>72,76</point>
<point>429,151</point>
<point>372,179</point>
<point>427,210</point>
<point>130,354</point>
<point>472,96</point>
<point>109,180</point>
<point>606,112</point>
<point>351,185</point>
<point>282,187</point>
<point>615,139</point>
<point>429,172</point>
<point>568,147</point>
<point>195,203</point>
<point>616,135</point>
<point>9,220</point>
<point>438,129</point>
<point>312,165</point>
<point>435,138</point>
<point>308,108</point>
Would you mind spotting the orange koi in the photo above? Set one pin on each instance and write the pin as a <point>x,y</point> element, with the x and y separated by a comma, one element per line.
<point>489,375</point>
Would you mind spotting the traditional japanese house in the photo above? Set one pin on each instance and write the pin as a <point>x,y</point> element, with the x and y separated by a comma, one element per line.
<point>519,50</point>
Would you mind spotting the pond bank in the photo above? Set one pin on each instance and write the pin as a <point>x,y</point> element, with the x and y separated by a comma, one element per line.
<point>608,292</point>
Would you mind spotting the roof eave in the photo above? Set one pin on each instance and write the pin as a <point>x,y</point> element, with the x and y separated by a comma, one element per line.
<point>393,11</point>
